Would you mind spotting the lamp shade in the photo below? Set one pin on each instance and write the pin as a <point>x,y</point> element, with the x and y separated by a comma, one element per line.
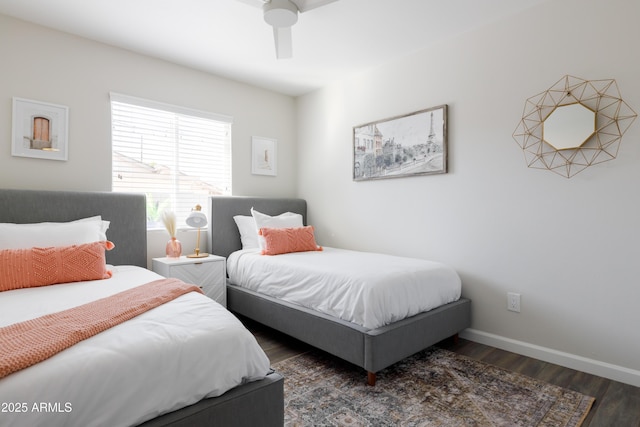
<point>197,218</point>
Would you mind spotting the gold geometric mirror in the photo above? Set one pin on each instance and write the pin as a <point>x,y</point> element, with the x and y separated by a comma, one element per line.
<point>574,124</point>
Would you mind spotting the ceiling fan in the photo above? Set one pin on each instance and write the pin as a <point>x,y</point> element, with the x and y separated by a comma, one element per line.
<point>281,15</point>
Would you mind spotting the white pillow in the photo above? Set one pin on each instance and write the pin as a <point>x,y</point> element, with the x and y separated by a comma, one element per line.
<point>48,234</point>
<point>247,228</point>
<point>285,220</point>
<point>104,226</point>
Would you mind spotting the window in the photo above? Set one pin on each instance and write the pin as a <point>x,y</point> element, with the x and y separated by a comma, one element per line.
<point>177,156</point>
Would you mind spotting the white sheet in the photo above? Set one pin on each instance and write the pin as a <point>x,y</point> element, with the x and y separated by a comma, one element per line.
<point>369,289</point>
<point>167,358</point>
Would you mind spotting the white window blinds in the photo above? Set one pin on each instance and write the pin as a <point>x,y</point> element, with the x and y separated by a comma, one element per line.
<point>177,156</point>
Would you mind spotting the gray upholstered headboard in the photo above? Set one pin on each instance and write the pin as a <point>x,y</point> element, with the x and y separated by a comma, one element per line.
<point>223,235</point>
<point>126,212</point>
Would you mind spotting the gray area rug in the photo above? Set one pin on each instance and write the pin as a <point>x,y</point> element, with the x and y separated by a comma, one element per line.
<point>432,388</point>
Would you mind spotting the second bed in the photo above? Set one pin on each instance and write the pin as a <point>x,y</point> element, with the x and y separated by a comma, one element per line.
<point>359,335</point>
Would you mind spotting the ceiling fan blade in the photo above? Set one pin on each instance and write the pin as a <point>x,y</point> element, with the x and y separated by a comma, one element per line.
<point>305,5</point>
<point>284,45</point>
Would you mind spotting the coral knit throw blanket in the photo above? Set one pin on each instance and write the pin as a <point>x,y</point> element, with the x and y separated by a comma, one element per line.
<point>32,341</point>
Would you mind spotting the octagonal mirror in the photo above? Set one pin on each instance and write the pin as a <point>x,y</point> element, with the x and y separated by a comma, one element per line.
<point>569,126</point>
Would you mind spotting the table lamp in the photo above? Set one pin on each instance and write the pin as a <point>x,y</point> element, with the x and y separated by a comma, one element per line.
<point>197,219</point>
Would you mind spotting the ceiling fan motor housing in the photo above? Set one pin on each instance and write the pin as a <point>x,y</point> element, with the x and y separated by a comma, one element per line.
<point>280,13</point>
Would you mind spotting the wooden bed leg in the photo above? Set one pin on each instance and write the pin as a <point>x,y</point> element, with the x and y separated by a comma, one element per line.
<point>455,338</point>
<point>371,378</point>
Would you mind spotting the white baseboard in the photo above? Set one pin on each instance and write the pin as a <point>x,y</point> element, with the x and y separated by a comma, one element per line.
<point>579,363</point>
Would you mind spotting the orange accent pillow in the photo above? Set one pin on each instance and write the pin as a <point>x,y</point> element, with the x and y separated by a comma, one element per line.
<point>287,240</point>
<point>28,268</point>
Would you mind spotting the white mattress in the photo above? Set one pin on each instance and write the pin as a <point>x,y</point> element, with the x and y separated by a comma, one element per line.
<point>167,358</point>
<point>369,289</point>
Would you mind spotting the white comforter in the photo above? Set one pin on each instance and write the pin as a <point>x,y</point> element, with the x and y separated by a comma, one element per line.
<point>369,289</point>
<point>167,358</point>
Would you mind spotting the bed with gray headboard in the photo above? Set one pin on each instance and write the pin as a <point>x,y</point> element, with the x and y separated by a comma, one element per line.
<point>126,212</point>
<point>371,349</point>
<point>254,403</point>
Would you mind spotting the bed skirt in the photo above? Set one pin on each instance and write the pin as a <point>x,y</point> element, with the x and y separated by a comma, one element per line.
<point>259,403</point>
<point>371,349</point>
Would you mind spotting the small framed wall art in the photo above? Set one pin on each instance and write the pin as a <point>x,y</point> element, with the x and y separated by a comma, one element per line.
<point>40,130</point>
<point>264,156</point>
<point>408,145</point>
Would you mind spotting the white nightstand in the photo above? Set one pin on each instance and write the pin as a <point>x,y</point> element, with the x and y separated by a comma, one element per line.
<point>209,273</point>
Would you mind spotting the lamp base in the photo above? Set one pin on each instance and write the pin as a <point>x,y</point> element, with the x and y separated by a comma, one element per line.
<point>197,255</point>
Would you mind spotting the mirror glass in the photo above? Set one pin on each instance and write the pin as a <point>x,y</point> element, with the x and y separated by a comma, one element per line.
<point>569,126</point>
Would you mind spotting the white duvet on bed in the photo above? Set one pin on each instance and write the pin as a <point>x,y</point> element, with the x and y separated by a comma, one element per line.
<point>368,289</point>
<point>167,358</point>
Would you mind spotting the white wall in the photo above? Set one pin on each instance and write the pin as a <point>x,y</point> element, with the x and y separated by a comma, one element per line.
<point>569,246</point>
<point>55,67</point>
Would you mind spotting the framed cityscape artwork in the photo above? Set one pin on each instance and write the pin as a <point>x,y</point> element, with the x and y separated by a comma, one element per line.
<point>408,145</point>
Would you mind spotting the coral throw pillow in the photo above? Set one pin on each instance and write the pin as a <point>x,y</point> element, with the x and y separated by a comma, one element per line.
<point>28,268</point>
<point>286,240</point>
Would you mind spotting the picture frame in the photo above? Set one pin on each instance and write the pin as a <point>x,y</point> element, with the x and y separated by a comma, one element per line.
<point>39,130</point>
<point>407,145</point>
<point>264,156</point>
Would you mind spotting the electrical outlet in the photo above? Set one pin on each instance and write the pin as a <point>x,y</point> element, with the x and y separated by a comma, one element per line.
<point>513,302</point>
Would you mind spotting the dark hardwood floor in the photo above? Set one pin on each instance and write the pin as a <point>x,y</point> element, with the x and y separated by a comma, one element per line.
<point>617,404</point>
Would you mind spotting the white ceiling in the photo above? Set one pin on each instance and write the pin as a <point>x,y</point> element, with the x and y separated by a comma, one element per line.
<point>230,38</point>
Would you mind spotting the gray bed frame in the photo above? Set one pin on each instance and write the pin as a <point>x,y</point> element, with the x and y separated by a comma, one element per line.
<point>256,403</point>
<point>371,349</point>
